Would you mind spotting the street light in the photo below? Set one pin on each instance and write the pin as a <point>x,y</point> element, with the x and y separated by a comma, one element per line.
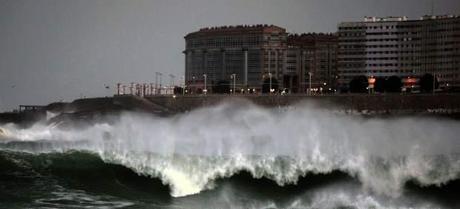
<point>172,79</point>
<point>172,83</point>
<point>156,82</point>
<point>205,83</point>
<point>192,86</point>
<point>152,89</point>
<point>160,81</point>
<point>270,76</point>
<point>309,83</point>
<point>183,85</point>
<point>233,76</point>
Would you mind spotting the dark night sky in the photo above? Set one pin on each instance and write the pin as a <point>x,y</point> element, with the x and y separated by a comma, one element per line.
<point>53,50</point>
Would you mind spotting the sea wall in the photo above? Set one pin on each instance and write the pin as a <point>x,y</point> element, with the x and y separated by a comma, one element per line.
<point>387,103</point>
<point>93,108</point>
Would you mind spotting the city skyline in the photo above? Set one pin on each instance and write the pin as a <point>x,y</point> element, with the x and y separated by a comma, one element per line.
<point>62,50</point>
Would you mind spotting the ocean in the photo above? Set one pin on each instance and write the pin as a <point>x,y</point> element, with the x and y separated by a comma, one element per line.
<point>233,155</point>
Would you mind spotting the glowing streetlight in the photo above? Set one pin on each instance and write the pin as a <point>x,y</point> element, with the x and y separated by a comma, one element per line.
<point>233,76</point>
<point>270,76</point>
<point>205,83</point>
<point>193,84</point>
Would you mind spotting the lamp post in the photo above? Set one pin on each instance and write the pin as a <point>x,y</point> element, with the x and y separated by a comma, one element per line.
<point>131,88</point>
<point>309,83</point>
<point>183,85</point>
<point>193,84</point>
<point>118,89</point>
<point>172,83</point>
<point>205,90</point>
<point>156,82</point>
<point>152,89</point>
<point>233,76</point>
<point>161,74</point>
<point>270,86</point>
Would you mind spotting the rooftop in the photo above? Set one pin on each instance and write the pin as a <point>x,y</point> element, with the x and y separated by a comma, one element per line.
<point>236,30</point>
<point>238,27</point>
<point>310,38</point>
<point>405,18</point>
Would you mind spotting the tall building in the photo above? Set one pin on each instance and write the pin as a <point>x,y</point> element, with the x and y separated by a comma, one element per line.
<point>383,47</point>
<point>249,52</point>
<point>311,58</point>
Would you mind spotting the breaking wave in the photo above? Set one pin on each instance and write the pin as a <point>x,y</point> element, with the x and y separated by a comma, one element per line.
<point>189,152</point>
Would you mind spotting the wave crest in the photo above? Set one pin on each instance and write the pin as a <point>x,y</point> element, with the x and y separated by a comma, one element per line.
<point>190,151</point>
<point>188,175</point>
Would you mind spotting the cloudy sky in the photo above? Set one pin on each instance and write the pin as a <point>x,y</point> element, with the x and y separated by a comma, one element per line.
<point>52,50</point>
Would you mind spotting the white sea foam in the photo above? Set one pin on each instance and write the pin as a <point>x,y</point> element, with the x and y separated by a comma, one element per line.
<point>333,195</point>
<point>189,152</point>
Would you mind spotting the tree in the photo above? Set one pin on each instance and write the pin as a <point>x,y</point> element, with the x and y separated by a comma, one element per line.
<point>359,84</point>
<point>426,83</point>
<point>266,85</point>
<point>178,90</point>
<point>221,87</point>
<point>379,85</point>
<point>393,84</point>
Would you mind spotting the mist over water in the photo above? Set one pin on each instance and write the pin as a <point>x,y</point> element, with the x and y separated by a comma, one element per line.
<point>192,152</point>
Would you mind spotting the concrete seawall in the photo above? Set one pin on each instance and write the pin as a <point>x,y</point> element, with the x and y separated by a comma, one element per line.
<point>388,103</point>
<point>94,108</point>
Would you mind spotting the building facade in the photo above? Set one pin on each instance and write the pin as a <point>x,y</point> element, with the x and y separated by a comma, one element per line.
<point>311,62</point>
<point>213,55</point>
<point>383,47</point>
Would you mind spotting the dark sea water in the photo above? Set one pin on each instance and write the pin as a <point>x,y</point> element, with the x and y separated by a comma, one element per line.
<point>254,158</point>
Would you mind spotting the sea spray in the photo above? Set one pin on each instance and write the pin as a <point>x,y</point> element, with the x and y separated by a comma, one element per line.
<point>190,151</point>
